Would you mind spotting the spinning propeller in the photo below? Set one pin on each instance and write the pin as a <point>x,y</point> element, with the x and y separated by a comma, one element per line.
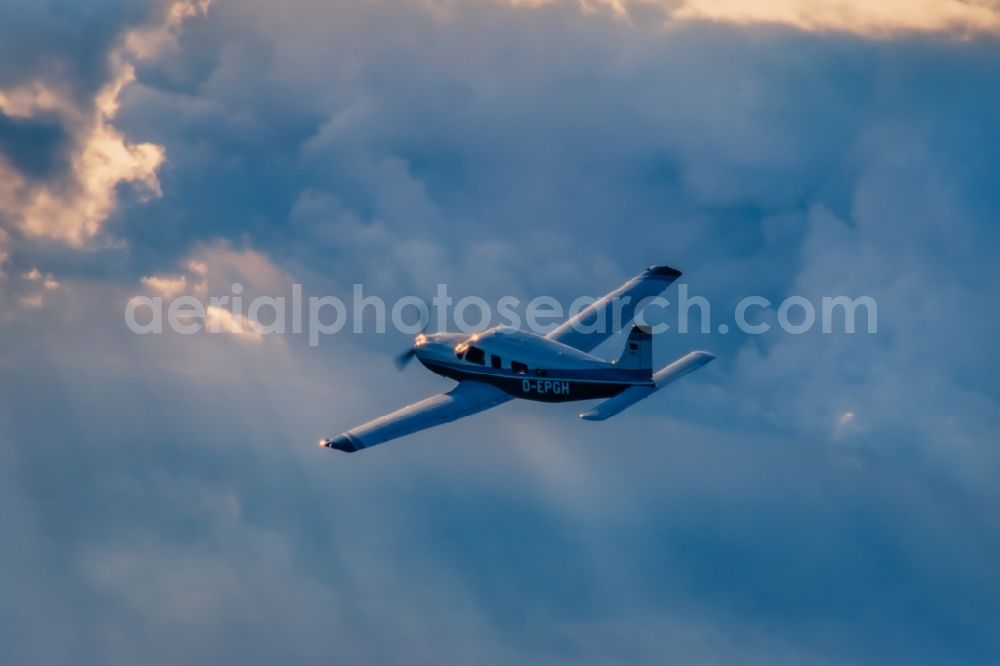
<point>403,360</point>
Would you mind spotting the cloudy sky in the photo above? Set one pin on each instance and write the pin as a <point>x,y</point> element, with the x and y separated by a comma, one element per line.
<point>806,498</point>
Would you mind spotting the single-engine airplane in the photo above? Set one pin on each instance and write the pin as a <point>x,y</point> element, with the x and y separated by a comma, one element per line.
<point>504,363</point>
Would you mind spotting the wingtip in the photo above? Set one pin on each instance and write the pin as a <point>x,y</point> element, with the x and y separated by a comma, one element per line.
<point>699,358</point>
<point>344,443</point>
<point>664,271</point>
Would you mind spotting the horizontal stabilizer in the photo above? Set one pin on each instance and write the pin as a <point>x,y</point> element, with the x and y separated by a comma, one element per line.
<point>630,396</point>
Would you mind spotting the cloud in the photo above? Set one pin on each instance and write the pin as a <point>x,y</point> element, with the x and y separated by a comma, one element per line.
<point>32,302</point>
<point>73,207</point>
<point>28,290</point>
<point>847,424</point>
<point>882,20</point>
<point>149,41</point>
<point>171,484</point>
<point>875,19</point>
<point>167,286</point>
<point>47,281</point>
<point>218,270</point>
<point>218,319</point>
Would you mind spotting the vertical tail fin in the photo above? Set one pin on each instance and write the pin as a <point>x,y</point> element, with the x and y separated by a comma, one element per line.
<point>638,354</point>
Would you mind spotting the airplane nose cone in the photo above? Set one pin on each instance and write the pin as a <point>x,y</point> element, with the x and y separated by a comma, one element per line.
<point>341,443</point>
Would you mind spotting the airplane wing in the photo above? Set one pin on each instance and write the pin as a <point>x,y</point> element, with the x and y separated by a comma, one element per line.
<point>597,322</point>
<point>467,398</point>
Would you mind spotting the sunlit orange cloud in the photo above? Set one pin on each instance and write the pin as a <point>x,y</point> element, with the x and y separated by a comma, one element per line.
<point>101,159</point>
<point>211,270</point>
<point>167,286</point>
<point>4,236</point>
<point>879,18</point>
<point>221,320</point>
<point>74,211</point>
<point>872,18</point>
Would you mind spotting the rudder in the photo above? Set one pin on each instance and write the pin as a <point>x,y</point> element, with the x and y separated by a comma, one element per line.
<point>638,353</point>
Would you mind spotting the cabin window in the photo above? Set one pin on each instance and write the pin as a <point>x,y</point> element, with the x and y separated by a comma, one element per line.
<point>496,361</point>
<point>633,346</point>
<point>518,367</point>
<point>475,355</point>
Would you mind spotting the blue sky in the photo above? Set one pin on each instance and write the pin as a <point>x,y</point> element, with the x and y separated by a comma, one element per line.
<point>164,498</point>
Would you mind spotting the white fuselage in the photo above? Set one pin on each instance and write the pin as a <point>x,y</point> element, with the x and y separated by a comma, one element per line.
<point>524,365</point>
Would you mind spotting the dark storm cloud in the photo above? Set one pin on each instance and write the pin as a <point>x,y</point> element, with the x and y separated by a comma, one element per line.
<point>64,41</point>
<point>168,485</point>
<point>35,146</point>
